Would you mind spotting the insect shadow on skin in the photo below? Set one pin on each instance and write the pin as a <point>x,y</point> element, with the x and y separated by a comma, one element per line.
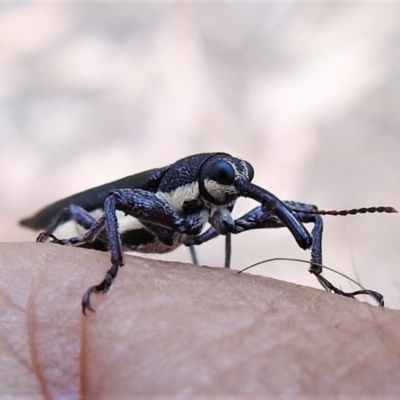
<point>163,208</point>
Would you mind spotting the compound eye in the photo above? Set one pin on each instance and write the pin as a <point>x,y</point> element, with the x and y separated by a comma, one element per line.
<point>250,171</point>
<point>222,172</point>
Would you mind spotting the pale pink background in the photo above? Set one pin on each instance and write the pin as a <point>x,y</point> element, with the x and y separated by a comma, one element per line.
<point>308,93</point>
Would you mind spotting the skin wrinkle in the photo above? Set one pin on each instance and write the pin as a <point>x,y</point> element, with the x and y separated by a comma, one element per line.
<point>305,332</point>
<point>3,340</point>
<point>235,363</point>
<point>258,353</point>
<point>309,329</point>
<point>237,333</point>
<point>283,347</point>
<point>83,364</point>
<point>31,330</point>
<point>8,300</point>
<point>199,349</point>
<point>251,299</point>
<point>383,335</point>
<point>17,356</point>
<point>249,327</point>
<point>343,369</point>
<point>241,364</point>
<point>359,360</point>
<point>37,325</point>
<point>5,345</point>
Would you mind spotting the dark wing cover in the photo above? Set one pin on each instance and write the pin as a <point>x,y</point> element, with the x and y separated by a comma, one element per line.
<point>94,198</point>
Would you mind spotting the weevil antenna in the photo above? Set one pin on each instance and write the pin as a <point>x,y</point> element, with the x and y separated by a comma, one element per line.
<point>354,211</point>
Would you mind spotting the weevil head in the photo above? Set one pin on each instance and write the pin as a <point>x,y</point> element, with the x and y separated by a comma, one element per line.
<point>221,177</point>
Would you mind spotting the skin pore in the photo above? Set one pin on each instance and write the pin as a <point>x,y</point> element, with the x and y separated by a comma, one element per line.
<point>176,329</point>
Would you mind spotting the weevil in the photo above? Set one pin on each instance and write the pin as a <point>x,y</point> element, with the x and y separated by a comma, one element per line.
<point>163,208</point>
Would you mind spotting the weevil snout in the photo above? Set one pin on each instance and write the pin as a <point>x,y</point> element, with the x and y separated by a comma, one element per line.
<point>270,203</point>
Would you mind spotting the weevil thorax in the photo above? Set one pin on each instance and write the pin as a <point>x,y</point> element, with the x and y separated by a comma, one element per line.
<point>180,184</point>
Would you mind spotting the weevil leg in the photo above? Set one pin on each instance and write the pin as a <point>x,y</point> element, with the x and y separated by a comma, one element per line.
<point>316,261</point>
<point>71,212</point>
<point>81,217</point>
<point>331,288</point>
<point>110,219</point>
<point>192,240</point>
<point>146,207</point>
<point>193,255</point>
<point>209,234</point>
<point>90,236</point>
<point>103,287</point>
<point>228,250</point>
<point>257,219</point>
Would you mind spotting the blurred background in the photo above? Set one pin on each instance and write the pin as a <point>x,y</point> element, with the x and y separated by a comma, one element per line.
<point>308,93</point>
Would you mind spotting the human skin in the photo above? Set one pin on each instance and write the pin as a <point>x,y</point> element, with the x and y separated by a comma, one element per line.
<point>175,329</point>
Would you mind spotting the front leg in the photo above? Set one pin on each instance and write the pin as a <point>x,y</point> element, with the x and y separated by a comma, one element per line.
<point>143,205</point>
<point>257,219</point>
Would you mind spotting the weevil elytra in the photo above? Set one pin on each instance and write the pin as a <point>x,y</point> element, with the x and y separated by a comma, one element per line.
<point>163,208</point>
